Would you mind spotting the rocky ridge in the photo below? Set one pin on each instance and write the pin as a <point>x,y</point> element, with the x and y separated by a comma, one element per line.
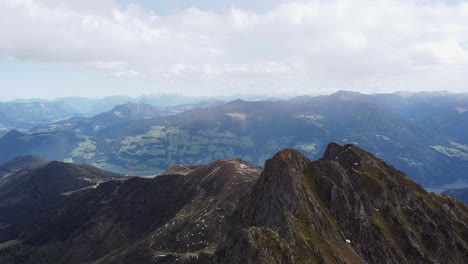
<point>31,186</point>
<point>144,220</point>
<point>348,207</point>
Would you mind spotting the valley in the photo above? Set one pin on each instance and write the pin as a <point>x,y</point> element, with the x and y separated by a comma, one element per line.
<point>431,148</point>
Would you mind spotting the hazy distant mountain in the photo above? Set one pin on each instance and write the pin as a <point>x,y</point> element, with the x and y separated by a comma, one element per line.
<point>347,207</point>
<point>446,113</point>
<point>164,100</point>
<point>37,113</point>
<point>119,114</point>
<point>3,132</point>
<point>24,115</point>
<point>460,193</point>
<point>169,100</point>
<point>90,125</point>
<point>389,125</point>
<point>93,106</point>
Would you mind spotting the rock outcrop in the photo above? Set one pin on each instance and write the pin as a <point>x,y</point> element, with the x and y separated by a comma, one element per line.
<point>348,207</point>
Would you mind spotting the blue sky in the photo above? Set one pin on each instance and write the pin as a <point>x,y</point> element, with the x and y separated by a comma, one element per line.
<point>58,48</point>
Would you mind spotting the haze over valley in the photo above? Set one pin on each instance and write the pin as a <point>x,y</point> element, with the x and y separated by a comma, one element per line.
<point>422,134</point>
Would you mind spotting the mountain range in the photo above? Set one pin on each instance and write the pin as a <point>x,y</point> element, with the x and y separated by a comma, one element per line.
<point>422,134</point>
<point>24,114</point>
<point>346,207</point>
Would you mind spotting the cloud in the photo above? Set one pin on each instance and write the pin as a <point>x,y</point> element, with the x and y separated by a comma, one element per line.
<point>298,46</point>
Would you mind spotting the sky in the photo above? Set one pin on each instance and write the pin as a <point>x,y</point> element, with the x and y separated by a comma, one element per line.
<point>97,48</point>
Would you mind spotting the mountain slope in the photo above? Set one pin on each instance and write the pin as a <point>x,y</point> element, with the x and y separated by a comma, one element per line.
<point>29,192</point>
<point>56,145</point>
<point>173,215</point>
<point>348,207</point>
<point>18,163</point>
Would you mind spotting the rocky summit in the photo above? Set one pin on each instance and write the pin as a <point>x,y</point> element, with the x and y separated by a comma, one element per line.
<point>347,207</point>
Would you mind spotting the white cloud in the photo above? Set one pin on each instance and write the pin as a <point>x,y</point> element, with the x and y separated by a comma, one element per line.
<point>290,46</point>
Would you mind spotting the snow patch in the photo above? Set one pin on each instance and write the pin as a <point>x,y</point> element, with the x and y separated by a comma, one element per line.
<point>461,109</point>
<point>118,114</point>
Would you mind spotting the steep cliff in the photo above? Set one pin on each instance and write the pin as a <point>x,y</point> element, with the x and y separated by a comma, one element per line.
<point>348,207</point>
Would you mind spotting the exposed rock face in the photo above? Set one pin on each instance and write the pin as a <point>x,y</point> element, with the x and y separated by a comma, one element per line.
<point>348,207</point>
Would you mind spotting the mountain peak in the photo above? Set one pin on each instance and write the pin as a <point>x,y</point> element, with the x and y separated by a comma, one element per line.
<point>349,155</point>
<point>289,154</point>
<point>332,150</point>
<point>236,103</point>
<point>285,165</point>
<point>12,134</point>
<point>131,105</point>
<point>134,108</point>
<point>348,207</point>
